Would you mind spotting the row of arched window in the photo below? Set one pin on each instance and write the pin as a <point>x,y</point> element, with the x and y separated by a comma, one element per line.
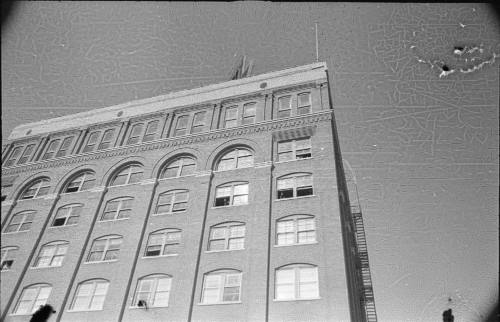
<point>184,165</point>
<point>290,230</point>
<point>292,282</point>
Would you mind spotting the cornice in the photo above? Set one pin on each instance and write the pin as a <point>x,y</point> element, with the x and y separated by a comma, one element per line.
<point>267,126</point>
<point>289,89</point>
<point>239,99</point>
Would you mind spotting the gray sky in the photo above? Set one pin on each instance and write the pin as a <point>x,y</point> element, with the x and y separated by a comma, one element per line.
<point>421,138</point>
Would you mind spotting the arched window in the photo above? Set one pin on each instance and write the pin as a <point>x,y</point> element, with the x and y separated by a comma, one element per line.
<point>84,181</point>
<point>296,282</point>
<point>295,185</point>
<point>297,229</point>
<point>128,175</point>
<point>51,254</point>
<point>235,158</point>
<point>90,295</point>
<point>106,248</point>
<point>172,201</point>
<point>180,167</point>
<point>20,222</point>
<point>8,255</point>
<point>119,208</point>
<point>67,215</point>
<point>153,291</point>
<point>32,298</point>
<point>231,194</point>
<point>163,242</point>
<point>222,286</point>
<point>227,236</point>
<point>37,188</point>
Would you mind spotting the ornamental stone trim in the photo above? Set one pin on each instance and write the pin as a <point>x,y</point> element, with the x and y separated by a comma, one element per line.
<point>271,125</point>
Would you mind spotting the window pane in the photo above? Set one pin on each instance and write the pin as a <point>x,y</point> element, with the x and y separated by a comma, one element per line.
<point>188,169</point>
<point>285,193</point>
<point>286,226</point>
<point>285,276</point>
<point>241,189</point>
<point>304,191</point>
<point>223,191</point>
<point>306,237</point>
<point>286,238</point>
<point>285,183</point>
<point>237,231</point>
<point>240,200</point>
<point>225,164</point>
<point>231,294</point>
<point>219,244</point>
<point>236,243</point>
<point>305,224</point>
<point>285,292</point>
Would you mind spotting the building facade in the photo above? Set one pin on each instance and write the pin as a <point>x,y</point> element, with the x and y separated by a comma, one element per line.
<point>221,203</point>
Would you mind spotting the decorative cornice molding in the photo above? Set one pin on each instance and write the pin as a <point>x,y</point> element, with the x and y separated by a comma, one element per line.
<point>242,98</point>
<point>294,88</point>
<point>267,126</point>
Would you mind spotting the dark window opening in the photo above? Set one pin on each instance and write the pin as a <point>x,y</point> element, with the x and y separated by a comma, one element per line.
<point>6,265</point>
<point>4,197</point>
<point>303,154</point>
<point>59,222</point>
<point>304,191</point>
<point>285,193</point>
<point>222,201</point>
<point>153,252</point>
<point>72,189</point>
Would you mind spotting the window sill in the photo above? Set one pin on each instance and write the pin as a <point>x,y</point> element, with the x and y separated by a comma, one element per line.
<point>186,176</point>
<point>297,244</point>
<point>15,232</point>
<point>218,207</point>
<point>294,300</point>
<point>159,256</point>
<point>55,227</point>
<point>228,170</point>
<point>168,213</point>
<point>43,267</point>
<point>294,198</point>
<point>220,303</point>
<point>101,262</point>
<point>78,311</point>
<point>112,220</point>
<point>223,250</point>
<point>144,308</point>
<point>287,161</point>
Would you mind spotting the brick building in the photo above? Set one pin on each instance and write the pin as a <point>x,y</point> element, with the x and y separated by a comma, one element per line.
<point>221,203</point>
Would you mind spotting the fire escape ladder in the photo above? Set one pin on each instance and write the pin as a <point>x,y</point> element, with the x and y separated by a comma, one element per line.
<point>367,298</point>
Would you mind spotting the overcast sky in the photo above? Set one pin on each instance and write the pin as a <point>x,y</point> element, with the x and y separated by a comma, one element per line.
<point>415,91</point>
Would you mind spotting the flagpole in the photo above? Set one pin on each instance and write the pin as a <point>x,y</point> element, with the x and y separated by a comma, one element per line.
<point>317,52</point>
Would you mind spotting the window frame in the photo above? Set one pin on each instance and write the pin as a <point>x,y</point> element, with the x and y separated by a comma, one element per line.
<point>164,233</point>
<point>92,295</point>
<point>297,282</point>
<point>227,226</point>
<point>40,182</point>
<point>235,159</point>
<point>151,295</point>
<point>222,286</point>
<point>234,119</point>
<point>295,188</point>
<point>251,117</point>
<point>294,150</point>
<point>13,158</point>
<point>25,214</point>
<point>100,135</point>
<point>296,232</point>
<point>108,240</point>
<point>198,125</point>
<point>68,214</point>
<point>27,156</point>
<point>120,201</point>
<point>232,195</point>
<point>57,245</point>
<point>184,128</point>
<point>83,175</point>
<point>34,305</point>
<point>281,108</point>
<point>173,201</point>
<point>8,254</point>
<point>308,105</point>
<point>129,171</point>
<point>182,160</point>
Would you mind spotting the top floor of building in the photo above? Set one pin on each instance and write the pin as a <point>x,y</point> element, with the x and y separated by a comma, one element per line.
<point>239,103</point>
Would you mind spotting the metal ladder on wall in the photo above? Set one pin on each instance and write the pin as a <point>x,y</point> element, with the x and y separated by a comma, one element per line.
<point>362,263</point>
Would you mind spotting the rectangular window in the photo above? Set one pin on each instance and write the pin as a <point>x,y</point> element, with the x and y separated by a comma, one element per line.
<point>297,282</point>
<point>107,137</point>
<point>198,122</point>
<point>295,186</point>
<point>13,156</point>
<point>222,287</point>
<point>51,150</point>
<point>20,222</point>
<point>234,194</point>
<point>63,150</point>
<point>32,298</point>
<point>7,258</point>
<point>249,112</point>
<point>91,142</point>
<point>284,106</point>
<point>231,118</point>
<point>117,209</point>
<point>153,291</point>
<point>303,103</point>
<point>294,149</point>
<point>150,133</point>
<point>181,127</point>
<point>90,296</point>
<point>135,134</point>
<point>28,151</point>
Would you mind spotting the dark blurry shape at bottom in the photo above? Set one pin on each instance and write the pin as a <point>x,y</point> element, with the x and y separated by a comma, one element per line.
<point>43,313</point>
